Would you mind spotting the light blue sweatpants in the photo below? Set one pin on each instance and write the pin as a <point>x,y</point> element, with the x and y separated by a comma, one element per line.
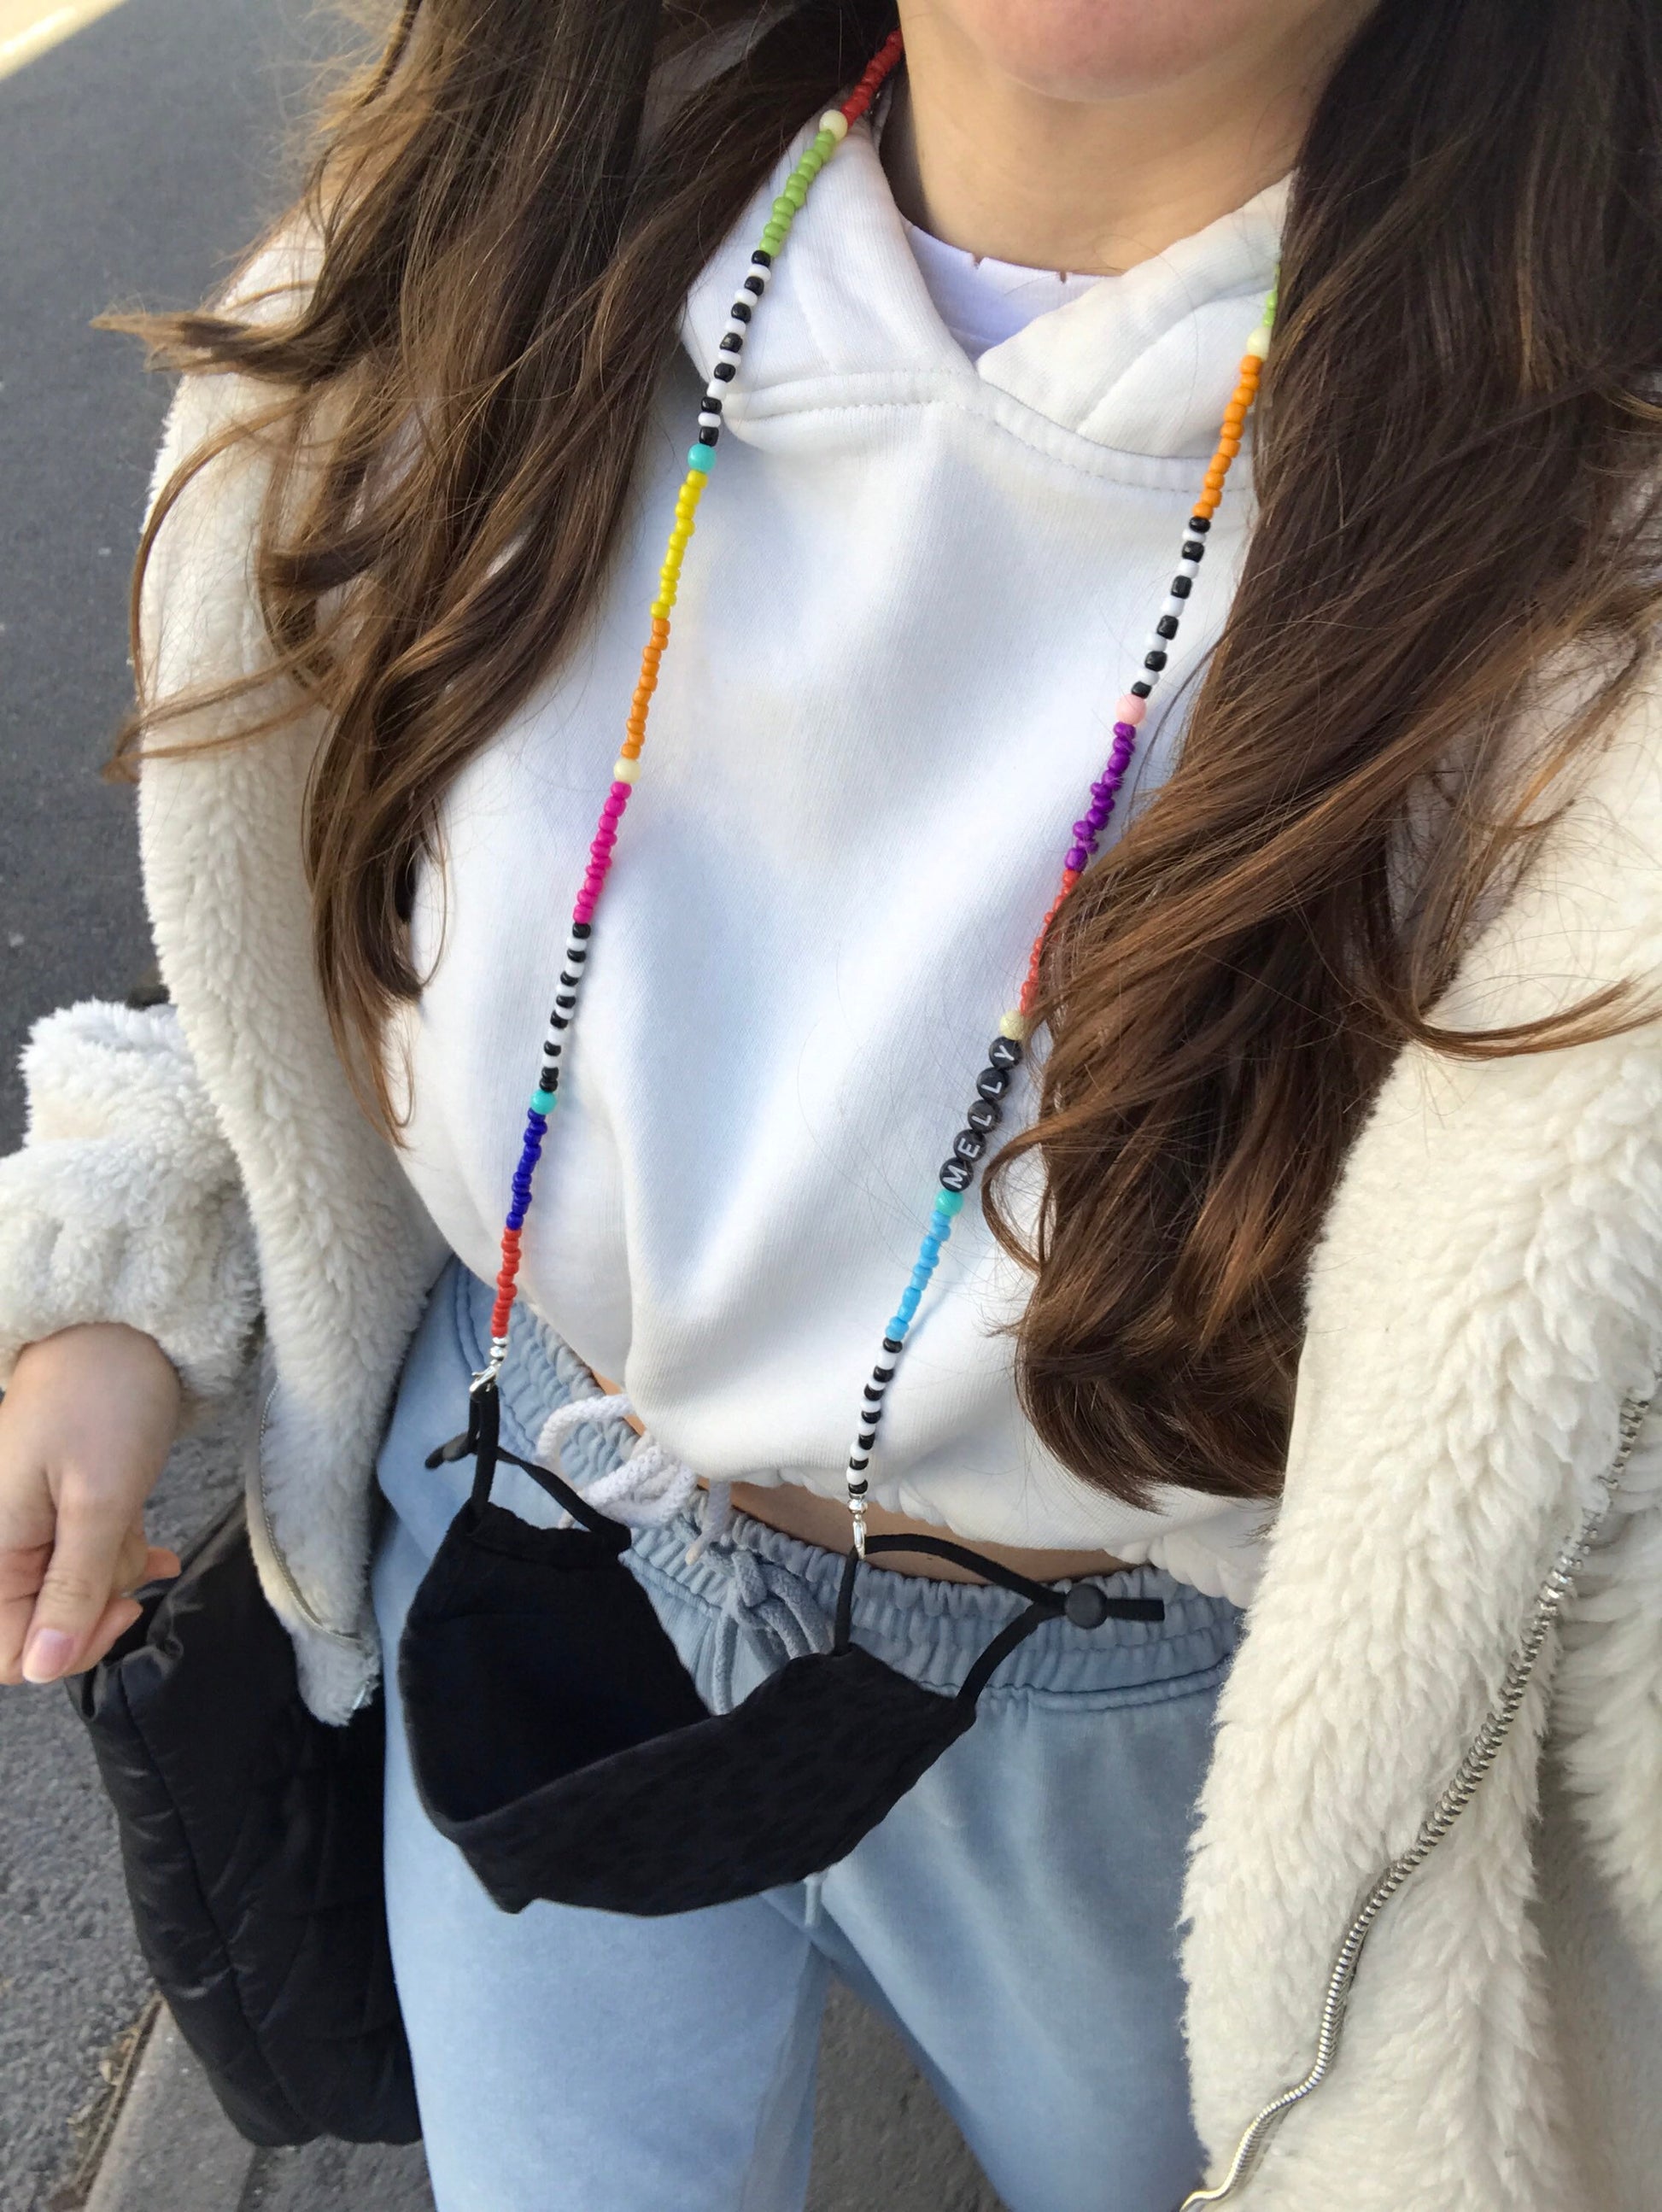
<point>1014,1916</point>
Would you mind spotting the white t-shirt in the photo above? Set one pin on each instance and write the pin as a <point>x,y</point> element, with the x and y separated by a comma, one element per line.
<point>919,582</point>
<point>982,302</point>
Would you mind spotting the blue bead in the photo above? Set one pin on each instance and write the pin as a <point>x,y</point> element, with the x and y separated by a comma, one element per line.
<point>910,1300</point>
<point>930,1248</point>
<point>898,1324</point>
<point>516,1218</point>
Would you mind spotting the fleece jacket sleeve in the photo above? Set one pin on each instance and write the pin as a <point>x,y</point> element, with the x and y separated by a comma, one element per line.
<point>124,1204</point>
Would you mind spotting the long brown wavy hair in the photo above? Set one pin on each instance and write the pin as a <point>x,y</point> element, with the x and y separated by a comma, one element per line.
<point>1456,464</point>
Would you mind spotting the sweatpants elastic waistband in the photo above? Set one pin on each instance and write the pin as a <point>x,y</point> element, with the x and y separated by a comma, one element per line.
<point>929,1629</point>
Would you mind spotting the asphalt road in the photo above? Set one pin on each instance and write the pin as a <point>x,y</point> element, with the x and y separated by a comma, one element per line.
<point>136,160</point>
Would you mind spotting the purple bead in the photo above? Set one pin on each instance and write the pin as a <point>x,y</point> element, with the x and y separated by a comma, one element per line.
<point>1082,830</point>
<point>1077,858</point>
<point>1126,731</point>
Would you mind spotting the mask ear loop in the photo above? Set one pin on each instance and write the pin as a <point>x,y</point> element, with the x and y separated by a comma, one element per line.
<point>1084,1604</point>
<point>483,1438</point>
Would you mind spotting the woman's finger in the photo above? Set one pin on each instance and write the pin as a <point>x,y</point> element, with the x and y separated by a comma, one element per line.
<point>116,1619</point>
<point>82,1575</point>
<point>23,1571</point>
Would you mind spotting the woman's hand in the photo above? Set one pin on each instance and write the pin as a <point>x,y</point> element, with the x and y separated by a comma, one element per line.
<point>86,1426</point>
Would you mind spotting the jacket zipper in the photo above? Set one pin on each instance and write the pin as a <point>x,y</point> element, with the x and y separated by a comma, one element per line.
<point>1484,1749</point>
<point>297,1596</point>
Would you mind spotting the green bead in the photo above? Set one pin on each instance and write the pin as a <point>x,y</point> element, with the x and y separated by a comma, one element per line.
<point>949,1201</point>
<point>824,145</point>
<point>796,191</point>
<point>782,210</point>
<point>810,166</point>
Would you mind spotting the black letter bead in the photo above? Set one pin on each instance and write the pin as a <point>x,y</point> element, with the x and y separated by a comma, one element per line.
<point>1004,1052</point>
<point>955,1174</point>
<point>984,1115</point>
<point>993,1082</point>
<point>969,1144</point>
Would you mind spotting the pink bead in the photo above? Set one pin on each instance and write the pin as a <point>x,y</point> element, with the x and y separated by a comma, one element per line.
<point>620,791</point>
<point>1131,709</point>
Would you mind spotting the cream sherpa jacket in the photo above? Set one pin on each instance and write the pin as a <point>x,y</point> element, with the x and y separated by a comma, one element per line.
<point>1485,1322</point>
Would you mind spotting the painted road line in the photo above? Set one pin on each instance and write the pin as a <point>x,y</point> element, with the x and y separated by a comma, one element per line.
<point>29,28</point>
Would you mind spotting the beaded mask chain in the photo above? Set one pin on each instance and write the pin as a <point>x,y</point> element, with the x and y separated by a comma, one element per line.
<point>1005,1052</point>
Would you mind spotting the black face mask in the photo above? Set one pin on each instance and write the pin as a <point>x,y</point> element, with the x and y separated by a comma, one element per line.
<point>559,1742</point>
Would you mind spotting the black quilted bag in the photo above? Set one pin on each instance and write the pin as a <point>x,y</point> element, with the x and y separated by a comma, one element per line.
<point>251,1839</point>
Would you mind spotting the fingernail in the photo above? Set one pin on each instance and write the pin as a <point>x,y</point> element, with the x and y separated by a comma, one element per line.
<point>48,1653</point>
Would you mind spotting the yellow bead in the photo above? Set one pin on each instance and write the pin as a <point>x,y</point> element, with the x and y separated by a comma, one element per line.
<point>623,771</point>
<point>1013,1025</point>
<point>834,121</point>
<point>662,608</point>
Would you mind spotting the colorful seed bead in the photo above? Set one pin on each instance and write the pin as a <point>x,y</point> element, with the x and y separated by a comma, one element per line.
<point>701,456</point>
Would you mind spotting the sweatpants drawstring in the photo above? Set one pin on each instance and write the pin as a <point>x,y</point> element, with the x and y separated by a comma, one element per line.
<point>770,1604</point>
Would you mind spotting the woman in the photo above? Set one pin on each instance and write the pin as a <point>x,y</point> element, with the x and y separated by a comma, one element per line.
<point>1317,1284</point>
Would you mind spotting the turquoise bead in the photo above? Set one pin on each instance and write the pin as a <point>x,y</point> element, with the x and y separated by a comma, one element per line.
<point>542,1102</point>
<point>949,1201</point>
<point>701,456</point>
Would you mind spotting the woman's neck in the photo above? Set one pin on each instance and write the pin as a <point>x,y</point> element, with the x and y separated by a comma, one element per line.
<point>989,163</point>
